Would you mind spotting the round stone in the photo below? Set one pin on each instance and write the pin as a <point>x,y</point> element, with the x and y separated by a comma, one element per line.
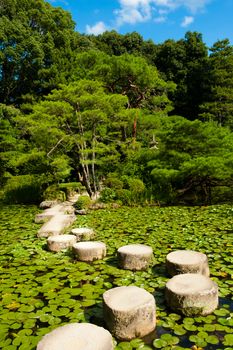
<point>192,294</point>
<point>83,233</point>
<point>77,336</point>
<point>60,242</point>
<point>134,256</point>
<point>187,261</point>
<point>129,312</point>
<point>89,251</point>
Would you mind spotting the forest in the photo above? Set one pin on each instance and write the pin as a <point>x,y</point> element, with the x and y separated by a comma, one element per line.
<point>137,121</point>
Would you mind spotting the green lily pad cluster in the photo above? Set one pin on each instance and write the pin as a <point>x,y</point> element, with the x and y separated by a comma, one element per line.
<point>42,290</point>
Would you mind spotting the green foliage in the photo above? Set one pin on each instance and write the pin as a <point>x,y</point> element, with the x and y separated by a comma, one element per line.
<point>83,202</point>
<point>124,196</point>
<point>193,158</point>
<point>127,190</point>
<point>92,106</point>
<point>53,192</point>
<point>184,62</point>
<point>70,188</point>
<point>113,182</point>
<point>36,47</point>
<point>136,186</point>
<point>108,195</point>
<point>71,126</point>
<point>23,189</point>
<point>127,75</point>
<point>218,105</point>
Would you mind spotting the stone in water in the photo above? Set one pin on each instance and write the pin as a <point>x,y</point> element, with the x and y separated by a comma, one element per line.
<point>135,256</point>
<point>77,336</point>
<point>56,225</point>
<point>83,233</point>
<point>129,312</point>
<point>187,261</point>
<point>192,294</point>
<point>60,242</point>
<point>89,251</point>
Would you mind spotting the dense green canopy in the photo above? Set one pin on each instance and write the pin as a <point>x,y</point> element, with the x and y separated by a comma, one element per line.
<point>147,121</point>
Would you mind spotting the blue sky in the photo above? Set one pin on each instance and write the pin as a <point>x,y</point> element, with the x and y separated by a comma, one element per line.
<point>154,19</point>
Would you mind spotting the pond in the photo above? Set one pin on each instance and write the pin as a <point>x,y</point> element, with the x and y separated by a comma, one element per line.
<point>43,290</point>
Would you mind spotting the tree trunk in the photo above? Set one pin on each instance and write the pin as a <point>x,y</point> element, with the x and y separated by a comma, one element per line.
<point>93,161</point>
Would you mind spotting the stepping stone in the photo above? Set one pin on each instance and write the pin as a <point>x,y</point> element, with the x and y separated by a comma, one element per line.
<point>77,336</point>
<point>62,208</point>
<point>89,251</point>
<point>187,261</point>
<point>192,294</point>
<point>83,233</point>
<point>68,209</point>
<point>135,256</point>
<point>49,213</point>
<point>47,204</point>
<point>81,212</point>
<point>60,242</point>
<point>129,312</point>
<point>56,225</point>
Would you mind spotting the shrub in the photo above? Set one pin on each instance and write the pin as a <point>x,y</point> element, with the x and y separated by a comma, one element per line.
<point>23,189</point>
<point>107,195</point>
<point>136,189</point>
<point>113,182</point>
<point>70,188</point>
<point>125,196</point>
<point>136,186</point>
<point>53,193</point>
<point>83,202</point>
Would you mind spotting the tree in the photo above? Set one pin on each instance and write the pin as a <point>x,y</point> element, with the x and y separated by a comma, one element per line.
<point>219,97</point>
<point>71,128</point>
<point>192,161</point>
<point>9,138</point>
<point>110,42</point>
<point>184,62</point>
<point>128,75</point>
<point>36,42</point>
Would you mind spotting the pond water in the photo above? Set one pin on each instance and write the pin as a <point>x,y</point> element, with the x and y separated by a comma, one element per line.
<point>43,290</point>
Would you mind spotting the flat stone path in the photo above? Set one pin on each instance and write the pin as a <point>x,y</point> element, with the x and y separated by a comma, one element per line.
<point>129,312</point>
<point>77,336</point>
<point>192,294</point>
<point>187,261</point>
<point>56,225</point>
<point>47,214</point>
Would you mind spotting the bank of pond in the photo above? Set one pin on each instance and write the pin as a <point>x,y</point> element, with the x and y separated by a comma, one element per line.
<point>43,290</point>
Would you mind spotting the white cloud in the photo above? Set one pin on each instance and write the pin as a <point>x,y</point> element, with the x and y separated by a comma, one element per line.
<point>137,11</point>
<point>133,11</point>
<point>194,5</point>
<point>187,21</point>
<point>96,29</point>
<point>160,19</point>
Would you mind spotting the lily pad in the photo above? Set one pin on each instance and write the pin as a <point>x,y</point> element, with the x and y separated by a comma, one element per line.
<point>228,340</point>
